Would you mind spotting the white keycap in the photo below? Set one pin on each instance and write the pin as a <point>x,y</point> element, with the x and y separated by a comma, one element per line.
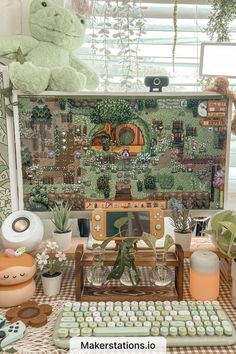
<point>133,318</point>
<point>89,319</point>
<point>184,313</point>
<point>111,324</point>
<point>98,319</point>
<point>189,324</point>
<point>210,331</point>
<point>173,313</point>
<point>147,324</point>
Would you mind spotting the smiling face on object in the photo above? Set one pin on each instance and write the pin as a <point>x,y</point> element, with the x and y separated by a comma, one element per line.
<point>52,23</point>
<point>16,270</point>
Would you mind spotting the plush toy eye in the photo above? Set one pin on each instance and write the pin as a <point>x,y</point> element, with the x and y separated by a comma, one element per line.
<point>44,3</point>
<point>22,274</point>
<point>6,276</point>
<point>82,21</point>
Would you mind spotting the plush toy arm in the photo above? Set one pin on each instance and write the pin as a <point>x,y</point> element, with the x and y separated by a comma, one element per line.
<point>92,78</point>
<point>10,45</point>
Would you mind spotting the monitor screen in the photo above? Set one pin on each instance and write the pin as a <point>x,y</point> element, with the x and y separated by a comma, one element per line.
<point>127,224</point>
<point>218,59</point>
<point>118,150</point>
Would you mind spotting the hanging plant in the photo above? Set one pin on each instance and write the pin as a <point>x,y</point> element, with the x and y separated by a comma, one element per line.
<point>223,12</point>
<point>175,32</point>
<point>121,22</point>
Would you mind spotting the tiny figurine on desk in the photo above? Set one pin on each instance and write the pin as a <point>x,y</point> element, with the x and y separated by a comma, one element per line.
<point>62,233</point>
<point>16,277</point>
<point>45,60</point>
<point>182,222</point>
<point>223,235</point>
<point>51,263</point>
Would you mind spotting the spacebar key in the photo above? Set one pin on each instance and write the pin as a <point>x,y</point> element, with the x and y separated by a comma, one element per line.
<point>121,331</point>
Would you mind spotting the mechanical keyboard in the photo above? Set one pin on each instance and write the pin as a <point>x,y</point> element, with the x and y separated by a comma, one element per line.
<point>183,323</point>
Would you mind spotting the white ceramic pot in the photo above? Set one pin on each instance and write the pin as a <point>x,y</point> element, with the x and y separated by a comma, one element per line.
<point>183,239</point>
<point>63,240</point>
<point>51,284</point>
<point>233,275</point>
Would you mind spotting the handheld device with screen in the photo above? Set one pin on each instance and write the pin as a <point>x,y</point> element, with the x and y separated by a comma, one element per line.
<point>132,222</point>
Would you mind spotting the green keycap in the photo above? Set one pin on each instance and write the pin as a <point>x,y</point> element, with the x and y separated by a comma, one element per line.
<point>154,331</point>
<point>173,331</point>
<point>182,318</point>
<point>69,325</point>
<point>62,332</point>
<point>92,324</point>
<point>120,324</point>
<point>177,324</point>
<point>83,325</point>
<point>74,332</point>
<point>121,332</point>
<point>102,324</point>
<point>68,314</point>
<point>86,332</point>
<point>79,314</point>
<point>68,319</point>
<point>222,316</point>
<point>227,328</point>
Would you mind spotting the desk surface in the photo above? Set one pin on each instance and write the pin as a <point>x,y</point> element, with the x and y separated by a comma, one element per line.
<point>39,340</point>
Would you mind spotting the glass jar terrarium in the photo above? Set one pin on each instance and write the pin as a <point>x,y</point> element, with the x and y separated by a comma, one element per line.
<point>161,274</point>
<point>130,275</point>
<point>97,275</point>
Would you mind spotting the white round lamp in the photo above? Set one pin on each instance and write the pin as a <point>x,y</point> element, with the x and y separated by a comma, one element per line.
<point>22,229</point>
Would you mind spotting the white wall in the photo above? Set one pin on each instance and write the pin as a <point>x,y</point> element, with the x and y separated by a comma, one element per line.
<point>14,16</point>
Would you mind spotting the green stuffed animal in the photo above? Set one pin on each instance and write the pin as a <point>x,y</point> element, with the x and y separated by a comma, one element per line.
<point>49,60</point>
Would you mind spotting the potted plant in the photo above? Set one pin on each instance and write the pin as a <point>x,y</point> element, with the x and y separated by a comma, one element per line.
<point>62,233</point>
<point>223,235</point>
<point>51,263</point>
<point>182,222</point>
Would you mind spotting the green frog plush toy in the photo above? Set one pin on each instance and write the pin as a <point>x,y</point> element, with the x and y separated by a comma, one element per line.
<point>50,63</point>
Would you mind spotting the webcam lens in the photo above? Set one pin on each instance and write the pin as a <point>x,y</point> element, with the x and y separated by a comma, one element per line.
<point>157,81</point>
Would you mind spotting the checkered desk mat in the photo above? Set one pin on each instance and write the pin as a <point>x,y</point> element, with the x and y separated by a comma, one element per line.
<point>39,340</point>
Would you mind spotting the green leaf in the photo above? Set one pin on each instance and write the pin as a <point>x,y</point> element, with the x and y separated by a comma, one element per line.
<point>10,350</point>
<point>20,56</point>
<point>229,226</point>
<point>221,216</point>
<point>6,92</point>
<point>121,221</point>
<point>150,240</point>
<point>168,242</point>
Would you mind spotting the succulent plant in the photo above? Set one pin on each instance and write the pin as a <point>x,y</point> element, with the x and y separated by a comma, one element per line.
<point>61,215</point>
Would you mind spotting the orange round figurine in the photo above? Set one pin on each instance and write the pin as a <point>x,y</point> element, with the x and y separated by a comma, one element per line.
<point>16,277</point>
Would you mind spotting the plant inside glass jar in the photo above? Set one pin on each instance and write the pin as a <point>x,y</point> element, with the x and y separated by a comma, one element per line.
<point>161,274</point>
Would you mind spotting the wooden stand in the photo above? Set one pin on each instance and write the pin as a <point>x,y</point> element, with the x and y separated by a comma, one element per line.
<point>143,258</point>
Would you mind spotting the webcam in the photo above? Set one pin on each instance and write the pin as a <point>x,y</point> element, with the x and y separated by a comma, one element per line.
<point>155,83</point>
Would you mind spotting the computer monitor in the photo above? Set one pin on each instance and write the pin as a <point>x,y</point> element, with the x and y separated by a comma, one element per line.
<point>218,59</point>
<point>122,150</point>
